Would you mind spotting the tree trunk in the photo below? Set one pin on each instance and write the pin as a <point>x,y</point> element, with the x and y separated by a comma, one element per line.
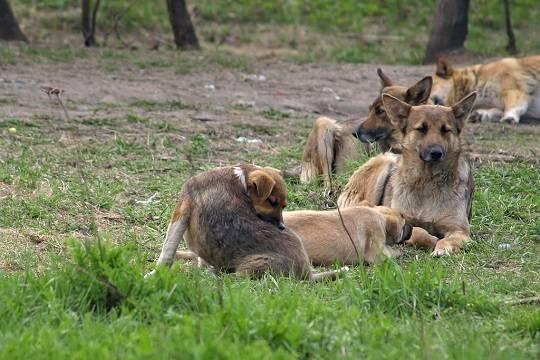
<point>511,47</point>
<point>449,28</point>
<point>88,22</point>
<point>184,33</point>
<point>9,28</point>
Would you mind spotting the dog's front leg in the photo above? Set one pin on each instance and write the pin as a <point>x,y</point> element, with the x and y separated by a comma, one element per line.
<point>516,103</point>
<point>452,242</point>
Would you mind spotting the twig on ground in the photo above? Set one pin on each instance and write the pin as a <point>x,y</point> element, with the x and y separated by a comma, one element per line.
<point>331,184</point>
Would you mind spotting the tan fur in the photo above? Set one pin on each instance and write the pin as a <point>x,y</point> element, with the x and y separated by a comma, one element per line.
<point>231,219</point>
<point>326,240</point>
<point>435,194</point>
<point>332,144</point>
<point>507,89</point>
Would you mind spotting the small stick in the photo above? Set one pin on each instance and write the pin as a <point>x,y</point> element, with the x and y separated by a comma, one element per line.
<point>337,206</point>
<point>525,301</point>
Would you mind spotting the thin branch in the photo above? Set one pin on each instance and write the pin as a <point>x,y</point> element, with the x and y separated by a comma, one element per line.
<point>525,301</point>
<point>331,184</point>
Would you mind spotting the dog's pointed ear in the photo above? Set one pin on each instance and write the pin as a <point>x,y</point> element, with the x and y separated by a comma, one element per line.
<point>444,69</point>
<point>261,183</point>
<point>397,110</point>
<point>419,93</point>
<point>463,108</point>
<point>385,80</point>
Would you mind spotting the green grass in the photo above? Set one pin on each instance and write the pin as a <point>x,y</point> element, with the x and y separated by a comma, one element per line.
<point>77,237</point>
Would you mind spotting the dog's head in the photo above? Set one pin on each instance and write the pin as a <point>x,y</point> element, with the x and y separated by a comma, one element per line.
<point>377,126</point>
<point>268,194</point>
<point>430,131</point>
<point>397,229</point>
<point>442,91</point>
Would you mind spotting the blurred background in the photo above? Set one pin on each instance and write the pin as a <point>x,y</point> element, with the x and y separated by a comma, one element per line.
<point>381,31</point>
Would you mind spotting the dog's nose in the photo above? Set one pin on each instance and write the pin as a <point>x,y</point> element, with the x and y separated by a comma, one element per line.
<point>281,226</point>
<point>405,233</point>
<point>433,153</point>
<point>436,154</point>
<point>437,100</point>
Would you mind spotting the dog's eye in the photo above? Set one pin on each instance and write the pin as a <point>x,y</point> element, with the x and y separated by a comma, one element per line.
<point>423,129</point>
<point>272,202</point>
<point>445,130</point>
<point>379,111</point>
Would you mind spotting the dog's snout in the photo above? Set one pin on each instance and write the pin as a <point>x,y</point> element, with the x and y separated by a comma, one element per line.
<point>437,100</point>
<point>433,153</point>
<point>405,233</point>
<point>281,226</point>
<point>436,154</point>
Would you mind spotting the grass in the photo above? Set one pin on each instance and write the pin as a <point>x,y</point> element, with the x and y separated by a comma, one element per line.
<point>79,231</point>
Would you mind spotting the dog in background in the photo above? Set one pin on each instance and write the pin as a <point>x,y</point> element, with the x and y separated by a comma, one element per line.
<point>431,181</point>
<point>332,144</point>
<point>231,217</point>
<point>507,89</point>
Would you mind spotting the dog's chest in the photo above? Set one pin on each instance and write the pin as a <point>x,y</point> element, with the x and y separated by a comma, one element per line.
<point>427,202</point>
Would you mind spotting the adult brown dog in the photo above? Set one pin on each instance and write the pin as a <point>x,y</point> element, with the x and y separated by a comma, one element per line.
<point>507,89</point>
<point>331,144</point>
<point>431,181</point>
<point>327,241</point>
<point>231,217</point>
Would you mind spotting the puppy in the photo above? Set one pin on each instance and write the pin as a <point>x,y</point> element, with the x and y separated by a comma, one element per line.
<point>231,217</point>
<point>326,241</point>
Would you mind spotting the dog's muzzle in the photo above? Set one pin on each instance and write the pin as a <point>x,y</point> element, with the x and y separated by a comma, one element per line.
<point>371,136</point>
<point>433,153</point>
<point>406,233</point>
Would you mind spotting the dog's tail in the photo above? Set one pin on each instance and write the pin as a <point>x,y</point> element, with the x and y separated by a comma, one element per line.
<point>175,232</point>
<point>319,153</point>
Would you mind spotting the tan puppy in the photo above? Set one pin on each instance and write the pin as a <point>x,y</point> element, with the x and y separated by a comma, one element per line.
<point>332,144</point>
<point>431,181</point>
<point>326,241</point>
<point>231,217</point>
<point>507,89</point>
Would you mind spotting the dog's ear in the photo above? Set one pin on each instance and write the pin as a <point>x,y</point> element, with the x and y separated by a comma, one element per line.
<point>385,80</point>
<point>261,183</point>
<point>419,93</point>
<point>462,109</point>
<point>444,69</point>
<point>397,110</point>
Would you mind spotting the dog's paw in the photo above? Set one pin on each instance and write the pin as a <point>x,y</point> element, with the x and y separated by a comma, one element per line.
<point>510,119</point>
<point>444,247</point>
<point>485,115</point>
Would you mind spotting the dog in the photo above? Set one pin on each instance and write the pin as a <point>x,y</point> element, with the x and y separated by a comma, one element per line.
<point>327,241</point>
<point>507,89</point>
<point>331,144</point>
<point>232,218</point>
<point>431,181</point>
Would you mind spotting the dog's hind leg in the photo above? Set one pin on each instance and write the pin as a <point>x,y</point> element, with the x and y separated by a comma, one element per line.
<point>516,103</point>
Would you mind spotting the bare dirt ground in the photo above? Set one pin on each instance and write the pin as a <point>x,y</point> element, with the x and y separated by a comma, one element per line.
<point>230,102</point>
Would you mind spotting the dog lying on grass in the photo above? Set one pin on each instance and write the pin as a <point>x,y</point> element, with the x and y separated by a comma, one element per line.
<point>431,181</point>
<point>507,89</point>
<point>331,144</point>
<point>231,217</point>
<point>327,241</point>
